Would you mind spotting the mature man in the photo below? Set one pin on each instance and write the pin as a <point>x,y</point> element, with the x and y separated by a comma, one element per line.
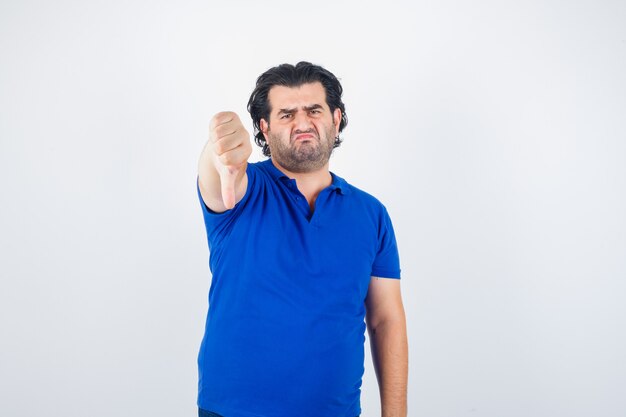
<point>299,258</point>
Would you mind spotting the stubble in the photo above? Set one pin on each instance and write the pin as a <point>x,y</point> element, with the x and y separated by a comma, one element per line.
<point>303,155</point>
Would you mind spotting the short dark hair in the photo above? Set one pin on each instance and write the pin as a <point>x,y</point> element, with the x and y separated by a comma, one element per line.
<point>293,76</point>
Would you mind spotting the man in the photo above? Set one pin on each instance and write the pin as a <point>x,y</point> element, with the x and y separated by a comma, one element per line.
<point>299,258</point>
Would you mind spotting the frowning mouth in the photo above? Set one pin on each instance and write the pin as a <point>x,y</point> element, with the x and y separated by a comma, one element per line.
<point>303,136</point>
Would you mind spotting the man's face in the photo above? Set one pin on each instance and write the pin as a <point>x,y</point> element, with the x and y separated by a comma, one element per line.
<point>301,131</point>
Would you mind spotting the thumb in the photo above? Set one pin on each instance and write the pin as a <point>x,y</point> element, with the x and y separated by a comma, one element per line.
<point>227,181</point>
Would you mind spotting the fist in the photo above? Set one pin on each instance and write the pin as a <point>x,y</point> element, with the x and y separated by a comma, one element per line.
<point>231,147</point>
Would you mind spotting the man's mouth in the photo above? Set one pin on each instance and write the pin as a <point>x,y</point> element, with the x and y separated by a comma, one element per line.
<point>303,136</point>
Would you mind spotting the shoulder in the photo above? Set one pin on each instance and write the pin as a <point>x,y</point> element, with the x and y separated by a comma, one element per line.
<point>365,196</point>
<point>257,175</point>
<point>262,169</point>
<point>362,197</point>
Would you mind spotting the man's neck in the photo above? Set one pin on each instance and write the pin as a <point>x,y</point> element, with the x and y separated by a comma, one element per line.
<point>310,184</point>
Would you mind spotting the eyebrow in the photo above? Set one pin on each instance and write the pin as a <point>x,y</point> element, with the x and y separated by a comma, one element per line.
<point>307,108</point>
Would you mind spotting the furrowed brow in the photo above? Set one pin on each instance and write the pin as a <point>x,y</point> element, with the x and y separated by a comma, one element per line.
<point>313,107</point>
<point>287,111</point>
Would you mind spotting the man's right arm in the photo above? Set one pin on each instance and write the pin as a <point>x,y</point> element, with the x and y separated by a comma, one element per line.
<point>222,167</point>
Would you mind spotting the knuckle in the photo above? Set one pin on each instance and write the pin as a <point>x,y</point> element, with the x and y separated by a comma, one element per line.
<point>222,117</point>
<point>222,130</point>
<point>215,120</point>
<point>218,148</point>
<point>223,114</point>
<point>218,130</point>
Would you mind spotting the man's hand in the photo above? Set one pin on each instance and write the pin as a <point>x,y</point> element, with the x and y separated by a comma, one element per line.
<point>231,150</point>
<point>223,162</point>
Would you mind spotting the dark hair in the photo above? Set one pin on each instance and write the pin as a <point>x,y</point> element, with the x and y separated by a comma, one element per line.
<point>289,76</point>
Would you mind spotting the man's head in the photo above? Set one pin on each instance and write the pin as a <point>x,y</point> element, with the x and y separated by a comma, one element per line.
<point>290,102</point>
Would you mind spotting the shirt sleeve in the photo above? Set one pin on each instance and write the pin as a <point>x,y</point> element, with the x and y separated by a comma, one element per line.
<point>218,225</point>
<point>387,261</point>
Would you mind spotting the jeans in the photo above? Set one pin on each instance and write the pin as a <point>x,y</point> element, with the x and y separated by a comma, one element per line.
<point>205,413</point>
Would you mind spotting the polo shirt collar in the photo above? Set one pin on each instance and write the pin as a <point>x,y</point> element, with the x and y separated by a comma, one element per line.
<point>337,184</point>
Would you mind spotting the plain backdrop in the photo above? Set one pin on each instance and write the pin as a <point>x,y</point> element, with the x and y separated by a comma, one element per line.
<point>493,131</point>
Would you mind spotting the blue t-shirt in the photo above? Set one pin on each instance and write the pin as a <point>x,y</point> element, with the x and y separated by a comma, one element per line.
<point>285,329</point>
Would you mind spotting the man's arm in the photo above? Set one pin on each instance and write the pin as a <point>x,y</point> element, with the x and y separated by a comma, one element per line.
<point>386,326</point>
<point>222,175</point>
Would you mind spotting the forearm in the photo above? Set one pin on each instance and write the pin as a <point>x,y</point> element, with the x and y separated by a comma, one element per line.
<point>389,348</point>
<point>209,179</point>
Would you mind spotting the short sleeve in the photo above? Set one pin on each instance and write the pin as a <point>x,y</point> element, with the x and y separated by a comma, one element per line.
<point>387,261</point>
<point>218,225</point>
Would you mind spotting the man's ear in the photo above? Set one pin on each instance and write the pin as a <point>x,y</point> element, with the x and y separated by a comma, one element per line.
<point>337,120</point>
<point>264,127</point>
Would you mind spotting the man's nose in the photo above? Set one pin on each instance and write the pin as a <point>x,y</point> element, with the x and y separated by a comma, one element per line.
<point>302,121</point>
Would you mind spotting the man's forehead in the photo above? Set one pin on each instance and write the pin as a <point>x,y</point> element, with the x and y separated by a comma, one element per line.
<point>281,97</point>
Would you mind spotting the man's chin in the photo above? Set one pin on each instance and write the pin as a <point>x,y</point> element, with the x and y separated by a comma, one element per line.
<point>302,164</point>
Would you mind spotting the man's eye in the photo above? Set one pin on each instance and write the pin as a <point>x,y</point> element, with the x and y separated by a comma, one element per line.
<point>315,111</point>
<point>284,116</point>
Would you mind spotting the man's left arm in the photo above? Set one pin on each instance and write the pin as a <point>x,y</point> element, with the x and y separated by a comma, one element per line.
<point>386,326</point>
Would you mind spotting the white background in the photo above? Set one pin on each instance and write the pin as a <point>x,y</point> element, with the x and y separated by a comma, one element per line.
<point>493,131</point>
